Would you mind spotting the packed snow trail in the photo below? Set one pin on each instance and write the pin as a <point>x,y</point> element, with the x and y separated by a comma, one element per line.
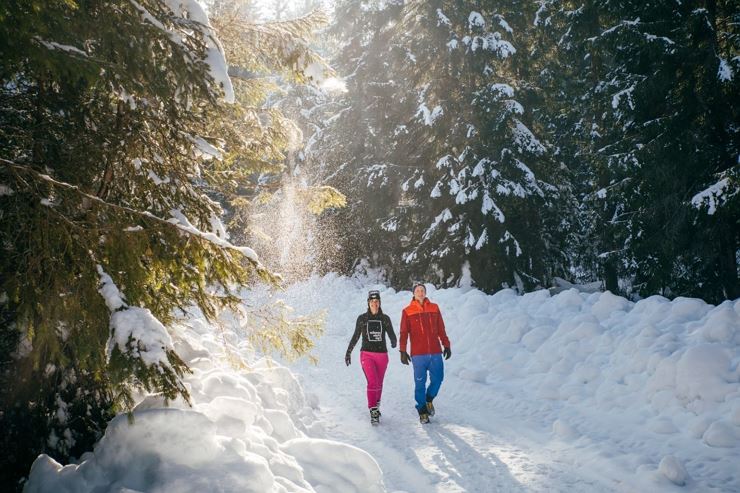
<point>448,455</point>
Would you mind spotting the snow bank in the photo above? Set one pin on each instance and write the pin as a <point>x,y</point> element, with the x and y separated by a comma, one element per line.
<point>250,429</point>
<point>632,378</point>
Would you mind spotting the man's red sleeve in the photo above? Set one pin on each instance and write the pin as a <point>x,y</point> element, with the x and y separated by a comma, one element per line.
<point>404,331</point>
<point>442,334</point>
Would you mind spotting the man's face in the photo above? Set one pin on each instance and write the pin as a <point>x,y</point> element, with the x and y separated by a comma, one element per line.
<point>420,293</point>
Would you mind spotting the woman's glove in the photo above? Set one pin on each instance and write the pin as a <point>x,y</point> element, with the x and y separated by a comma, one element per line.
<point>347,359</point>
<point>447,353</point>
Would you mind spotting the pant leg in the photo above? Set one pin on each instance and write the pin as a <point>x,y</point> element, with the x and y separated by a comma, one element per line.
<point>436,375</point>
<point>382,366</point>
<point>371,375</point>
<point>421,366</point>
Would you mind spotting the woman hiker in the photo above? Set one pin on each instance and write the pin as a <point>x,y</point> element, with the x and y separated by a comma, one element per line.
<point>373,325</point>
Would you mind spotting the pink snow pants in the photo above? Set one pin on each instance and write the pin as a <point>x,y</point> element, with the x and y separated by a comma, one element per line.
<point>374,366</point>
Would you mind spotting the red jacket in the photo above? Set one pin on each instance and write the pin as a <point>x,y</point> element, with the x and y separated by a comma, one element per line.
<point>424,324</point>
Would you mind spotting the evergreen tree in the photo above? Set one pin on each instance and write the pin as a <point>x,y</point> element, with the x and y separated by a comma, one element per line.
<point>438,153</point>
<point>640,128</point>
<point>114,133</point>
<point>572,68</point>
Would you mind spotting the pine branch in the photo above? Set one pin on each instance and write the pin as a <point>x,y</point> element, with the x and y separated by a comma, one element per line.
<point>189,229</point>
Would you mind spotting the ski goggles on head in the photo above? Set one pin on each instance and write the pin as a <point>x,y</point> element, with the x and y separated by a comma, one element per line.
<point>373,295</point>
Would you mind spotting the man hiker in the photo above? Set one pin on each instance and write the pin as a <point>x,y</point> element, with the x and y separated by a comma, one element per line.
<point>422,322</point>
<point>373,326</point>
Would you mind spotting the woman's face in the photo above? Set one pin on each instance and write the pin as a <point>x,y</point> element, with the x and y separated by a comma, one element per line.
<point>374,306</point>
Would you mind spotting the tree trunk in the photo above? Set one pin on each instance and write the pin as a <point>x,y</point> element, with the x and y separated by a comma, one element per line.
<point>729,242</point>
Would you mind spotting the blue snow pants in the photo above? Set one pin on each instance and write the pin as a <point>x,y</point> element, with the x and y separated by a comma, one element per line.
<point>433,365</point>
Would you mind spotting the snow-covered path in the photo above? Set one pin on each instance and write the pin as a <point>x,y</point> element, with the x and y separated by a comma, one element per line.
<point>466,448</point>
<point>450,454</point>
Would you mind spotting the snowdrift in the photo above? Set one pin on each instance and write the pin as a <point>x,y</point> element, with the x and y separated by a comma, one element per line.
<point>249,430</point>
<point>651,386</point>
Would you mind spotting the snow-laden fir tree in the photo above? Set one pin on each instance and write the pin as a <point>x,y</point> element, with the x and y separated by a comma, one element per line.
<point>118,123</point>
<point>644,115</point>
<point>571,69</point>
<point>342,131</point>
<point>438,157</point>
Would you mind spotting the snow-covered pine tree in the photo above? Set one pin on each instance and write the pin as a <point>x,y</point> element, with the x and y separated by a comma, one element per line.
<point>647,130</point>
<point>478,154</point>
<point>113,133</point>
<point>348,148</point>
<point>681,60</point>
<point>439,153</point>
<point>571,70</point>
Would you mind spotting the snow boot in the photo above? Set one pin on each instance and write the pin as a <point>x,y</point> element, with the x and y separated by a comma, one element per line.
<point>430,408</point>
<point>374,416</point>
<point>423,418</point>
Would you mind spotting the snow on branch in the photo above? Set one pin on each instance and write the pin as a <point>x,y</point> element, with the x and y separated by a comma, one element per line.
<point>653,37</point>
<point>627,94</point>
<point>442,217</point>
<point>617,26</point>
<point>429,117</point>
<point>499,90</point>
<point>482,240</point>
<point>178,220</point>
<point>475,20</point>
<point>189,16</point>
<point>502,22</point>
<point>442,18</point>
<point>52,45</point>
<point>203,149</point>
<point>489,207</point>
<point>135,331</point>
<point>724,72</point>
<point>507,239</point>
<point>715,196</point>
<point>525,139</point>
<point>490,42</point>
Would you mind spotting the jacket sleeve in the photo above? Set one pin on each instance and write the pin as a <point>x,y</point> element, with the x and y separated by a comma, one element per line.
<point>356,335</point>
<point>442,333</point>
<point>404,331</point>
<point>389,330</point>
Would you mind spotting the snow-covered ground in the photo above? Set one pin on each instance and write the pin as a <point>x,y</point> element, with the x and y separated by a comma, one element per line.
<point>572,392</point>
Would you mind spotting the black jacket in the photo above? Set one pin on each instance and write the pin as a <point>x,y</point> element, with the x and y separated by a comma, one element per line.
<point>373,329</point>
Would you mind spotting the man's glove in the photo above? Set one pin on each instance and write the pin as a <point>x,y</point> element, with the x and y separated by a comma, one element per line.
<point>393,344</point>
<point>347,359</point>
<point>447,353</point>
<point>405,357</point>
